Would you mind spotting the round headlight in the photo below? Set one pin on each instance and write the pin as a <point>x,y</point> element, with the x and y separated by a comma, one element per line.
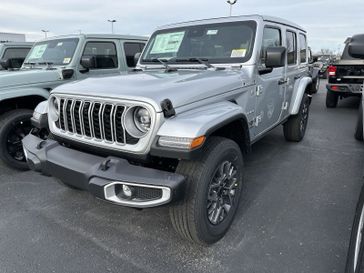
<point>138,121</point>
<point>54,108</point>
<point>142,119</point>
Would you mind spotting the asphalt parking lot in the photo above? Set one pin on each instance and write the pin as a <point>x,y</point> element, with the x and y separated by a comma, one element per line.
<point>295,215</point>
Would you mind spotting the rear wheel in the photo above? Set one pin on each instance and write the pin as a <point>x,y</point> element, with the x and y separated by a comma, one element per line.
<point>359,124</point>
<point>14,126</point>
<point>331,99</point>
<point>295,127</point>
<point>213,189</point>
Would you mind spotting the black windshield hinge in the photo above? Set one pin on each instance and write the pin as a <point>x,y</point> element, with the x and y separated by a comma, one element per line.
<point>167,108</point>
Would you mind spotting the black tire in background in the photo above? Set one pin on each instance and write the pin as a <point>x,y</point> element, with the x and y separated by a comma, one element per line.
<point>354,262</point>
<point>14,126</point>
<point>331,99</point>
<point>295,127</point>
<point>198,217</point>
<point>359,124</point>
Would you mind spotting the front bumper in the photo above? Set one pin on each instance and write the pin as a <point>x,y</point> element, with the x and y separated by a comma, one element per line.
<point>103,177</point>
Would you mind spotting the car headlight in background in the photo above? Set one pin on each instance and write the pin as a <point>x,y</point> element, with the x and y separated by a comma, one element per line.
<point>138,121</point>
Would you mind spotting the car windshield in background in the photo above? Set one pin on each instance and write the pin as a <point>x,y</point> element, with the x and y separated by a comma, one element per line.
<point>217,43</point>
<point>56,52</point>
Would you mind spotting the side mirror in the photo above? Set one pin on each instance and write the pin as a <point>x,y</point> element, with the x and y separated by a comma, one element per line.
<point>13,63</point>
<point>88,62</point>
<point>356,50</point>
<point>275,57</point>
<point>137,57</point>
<point>315,59</point>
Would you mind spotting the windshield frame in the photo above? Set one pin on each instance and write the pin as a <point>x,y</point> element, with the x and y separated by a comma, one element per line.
<point>56,40</point>
<point>250,23</point>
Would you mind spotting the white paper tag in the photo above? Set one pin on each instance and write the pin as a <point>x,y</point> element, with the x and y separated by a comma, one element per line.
<point>238,53</point>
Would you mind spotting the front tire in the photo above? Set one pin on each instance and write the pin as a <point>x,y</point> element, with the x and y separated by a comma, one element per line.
<point>14,126</point>
<point>213,189</point>
<point>331,99</point>
<point>295,128</point>
<point>359,124</point>
<point>354,263</point>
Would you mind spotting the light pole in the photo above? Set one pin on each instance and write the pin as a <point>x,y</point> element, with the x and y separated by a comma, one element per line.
<point>231,3</point>
<point>45,33</point>
<point>112,25</point>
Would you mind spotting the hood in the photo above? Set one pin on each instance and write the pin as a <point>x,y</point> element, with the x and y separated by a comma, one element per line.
<point>27,77</point>
<point>181,87</point>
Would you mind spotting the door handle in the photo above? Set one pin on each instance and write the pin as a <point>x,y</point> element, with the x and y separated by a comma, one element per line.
<point>282,81</point>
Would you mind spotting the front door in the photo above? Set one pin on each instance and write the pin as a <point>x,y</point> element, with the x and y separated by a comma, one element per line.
<point>271,87</point>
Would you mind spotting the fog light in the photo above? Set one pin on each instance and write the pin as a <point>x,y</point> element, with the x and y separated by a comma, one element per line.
<point>127,191</point>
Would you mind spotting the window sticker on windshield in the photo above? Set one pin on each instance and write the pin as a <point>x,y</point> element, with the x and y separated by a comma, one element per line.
<point>60,44</point>
<point>167,43</point>
<point>212,32</point>
<point>66,60</point>
<point>38,51</point>
<point>238,53</point>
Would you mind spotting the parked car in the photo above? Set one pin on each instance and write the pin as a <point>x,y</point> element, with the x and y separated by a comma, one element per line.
<point>313,72</point>
<point>50,63</point>
<point>345,76</point>
<point>12,55</point>
<point>175,132</point>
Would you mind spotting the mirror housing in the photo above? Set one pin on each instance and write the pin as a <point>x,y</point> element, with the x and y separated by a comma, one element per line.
<point>275,57</point>
<point>137,57</point>
<point>13,63</point>
<point>356,50</point>
<point>88,62</point>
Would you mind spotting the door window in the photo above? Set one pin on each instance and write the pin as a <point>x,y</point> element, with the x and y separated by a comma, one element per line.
<point>271,38</point>
<point>303,48</point>
<point>104,53</point>
<point>15,53</point>
<point>130,50</point>
<point>291,48</point>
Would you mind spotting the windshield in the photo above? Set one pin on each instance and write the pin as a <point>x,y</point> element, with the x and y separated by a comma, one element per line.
<point>217,43</point>
<point>57,52</point>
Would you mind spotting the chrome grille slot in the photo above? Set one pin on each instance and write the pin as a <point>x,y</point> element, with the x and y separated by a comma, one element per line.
<point>68,119</point>
<point>95,115</point>
<point>77,117</point>
<point>94,120</point>
<point>119,130</point>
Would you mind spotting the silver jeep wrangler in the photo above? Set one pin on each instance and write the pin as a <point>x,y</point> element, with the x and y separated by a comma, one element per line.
<point>175,130</point>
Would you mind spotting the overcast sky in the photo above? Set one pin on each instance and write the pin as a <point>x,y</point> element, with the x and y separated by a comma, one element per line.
<point>328,22</point>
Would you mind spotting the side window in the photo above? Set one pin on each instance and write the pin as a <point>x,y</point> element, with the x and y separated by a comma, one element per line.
<point>16,53</point>
<point>104,53</point>
<point>303,48</point>
<point>130,50</point>
<point>291,48</point>
<point>271,38</point>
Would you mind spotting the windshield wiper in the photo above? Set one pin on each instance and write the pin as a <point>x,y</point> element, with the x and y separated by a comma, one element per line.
<point>164,62</point>
<point>203,61</point>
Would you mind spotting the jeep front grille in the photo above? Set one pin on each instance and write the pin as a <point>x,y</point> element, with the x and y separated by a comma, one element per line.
<point>95,120</point>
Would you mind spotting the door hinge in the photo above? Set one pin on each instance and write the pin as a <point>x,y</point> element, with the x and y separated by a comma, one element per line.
<point>259,90</point>
<point>285,105</point>
<point>255,121</point>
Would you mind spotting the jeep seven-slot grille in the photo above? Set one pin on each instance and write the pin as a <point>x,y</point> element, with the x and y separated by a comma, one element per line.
<point>101,121</point>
